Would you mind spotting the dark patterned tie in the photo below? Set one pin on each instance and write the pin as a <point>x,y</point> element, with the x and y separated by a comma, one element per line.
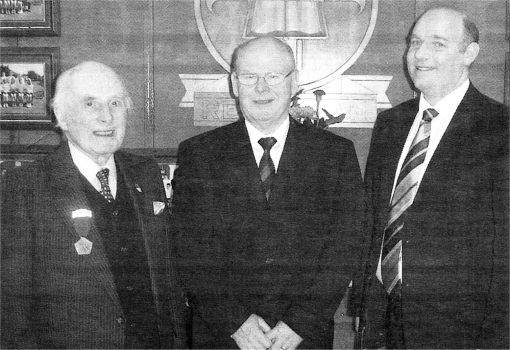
<point>102,175</point>
<point>403,197</point>
<point>266,166</point>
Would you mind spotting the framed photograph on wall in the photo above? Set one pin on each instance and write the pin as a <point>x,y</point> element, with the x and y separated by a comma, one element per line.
<point>26,79</point>
<point>29,17</point>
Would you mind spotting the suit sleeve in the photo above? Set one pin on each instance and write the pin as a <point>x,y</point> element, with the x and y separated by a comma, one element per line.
<point>193,223</point>
<point>17,328</point>
<point>368,300</point>
<point>496,323</point>
<point>311,313</point>
<point>365,270</point>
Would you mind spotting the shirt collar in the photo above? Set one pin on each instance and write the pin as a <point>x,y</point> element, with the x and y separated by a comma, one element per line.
<point>448,104</point>
<point>280,134</point>
<point>87,166</point>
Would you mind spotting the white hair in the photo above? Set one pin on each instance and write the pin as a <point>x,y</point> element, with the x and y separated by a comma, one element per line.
<point>64,81</point>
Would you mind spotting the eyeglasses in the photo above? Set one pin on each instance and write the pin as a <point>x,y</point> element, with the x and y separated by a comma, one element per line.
<point>270,78</point>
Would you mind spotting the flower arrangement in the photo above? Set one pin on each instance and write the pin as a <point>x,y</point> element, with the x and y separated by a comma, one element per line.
<point>309,116</point>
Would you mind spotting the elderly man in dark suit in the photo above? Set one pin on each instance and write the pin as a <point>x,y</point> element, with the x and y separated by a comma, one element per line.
<point>437,179</point>
<point>268,213</point>
<point>86,256</point>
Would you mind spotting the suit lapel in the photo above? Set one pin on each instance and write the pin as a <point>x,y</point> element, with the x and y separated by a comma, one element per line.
<point>393,136</point>
<point>153,229</point>
<point>291,173</point>
<point>241,166</point>
<point>134,186</point>
<point>453,143</point>
<point>137,187</point>
<point>138,192</point>
<point>66,186</point>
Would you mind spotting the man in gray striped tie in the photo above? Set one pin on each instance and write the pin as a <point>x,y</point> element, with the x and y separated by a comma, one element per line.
<point>436,272</point>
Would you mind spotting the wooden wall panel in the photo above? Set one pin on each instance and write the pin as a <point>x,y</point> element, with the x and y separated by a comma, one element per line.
<point>109,31</point>
<point>151,42</point>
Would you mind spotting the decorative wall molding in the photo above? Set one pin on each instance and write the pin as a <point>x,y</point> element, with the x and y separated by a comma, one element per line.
<point>358,96</point>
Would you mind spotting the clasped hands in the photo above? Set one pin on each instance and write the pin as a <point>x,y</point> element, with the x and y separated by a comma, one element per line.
<point>255,334</point>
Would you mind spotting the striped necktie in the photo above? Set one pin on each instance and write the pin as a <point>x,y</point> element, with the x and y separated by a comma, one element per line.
<point>102,175</point>
<point>266,166</point>
<point>403,197</point>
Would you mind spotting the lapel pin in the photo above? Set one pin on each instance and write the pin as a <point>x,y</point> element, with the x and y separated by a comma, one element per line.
<point>138,188</point>
<point>158,207</point>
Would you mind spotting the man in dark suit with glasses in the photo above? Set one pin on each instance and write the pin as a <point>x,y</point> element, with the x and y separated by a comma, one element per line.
<point>267,213</point>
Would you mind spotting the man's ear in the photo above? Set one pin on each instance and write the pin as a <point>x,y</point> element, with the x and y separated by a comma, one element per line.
<point>471,53</point>
<point>61,123</point>
<point>295,82</point>
<point>234,82</point>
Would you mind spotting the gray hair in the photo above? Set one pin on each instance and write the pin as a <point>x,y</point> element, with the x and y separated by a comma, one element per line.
<point>471,33</point>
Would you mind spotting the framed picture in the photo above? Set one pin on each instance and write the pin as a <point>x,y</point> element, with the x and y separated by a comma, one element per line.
<point>29,17</point>
<point>26,78</point>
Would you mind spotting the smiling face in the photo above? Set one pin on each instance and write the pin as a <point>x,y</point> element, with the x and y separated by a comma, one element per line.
<point>265,106</point>
<point>93,116</point>
<point>438,59</point>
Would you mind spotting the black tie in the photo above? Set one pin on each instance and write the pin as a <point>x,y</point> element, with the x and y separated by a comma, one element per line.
<point>266,166</point>
<point>102,175</point>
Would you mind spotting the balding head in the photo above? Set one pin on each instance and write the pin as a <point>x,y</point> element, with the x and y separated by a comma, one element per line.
<point>470,30</point>
<point>264,44</point>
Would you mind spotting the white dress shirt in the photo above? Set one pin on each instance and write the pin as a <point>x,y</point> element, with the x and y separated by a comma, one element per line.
<point>446,108</point>
<point>280,134</point>
<point>89,169</point>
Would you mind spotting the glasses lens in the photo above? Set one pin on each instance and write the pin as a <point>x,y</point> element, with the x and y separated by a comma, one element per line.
<point>248,79</point>
<point>274,78</point>
<point>270,78</point>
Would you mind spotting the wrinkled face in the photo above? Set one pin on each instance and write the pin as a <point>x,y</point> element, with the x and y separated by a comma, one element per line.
<point>437,59</point>
<point>94,117</point>
<point>263,105</point>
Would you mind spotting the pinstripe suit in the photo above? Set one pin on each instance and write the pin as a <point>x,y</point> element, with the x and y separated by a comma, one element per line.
<point>52,297</point>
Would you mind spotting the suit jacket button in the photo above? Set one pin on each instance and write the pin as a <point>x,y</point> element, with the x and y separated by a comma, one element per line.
<point>129,288</point>
<point>123,249</point>
<point>269,261</point>
<point>120,320</point>
<point>115,213</point>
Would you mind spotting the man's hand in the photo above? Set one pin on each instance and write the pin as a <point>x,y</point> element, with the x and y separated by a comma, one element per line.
<point>283,337</point>
<point>251,334</point>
